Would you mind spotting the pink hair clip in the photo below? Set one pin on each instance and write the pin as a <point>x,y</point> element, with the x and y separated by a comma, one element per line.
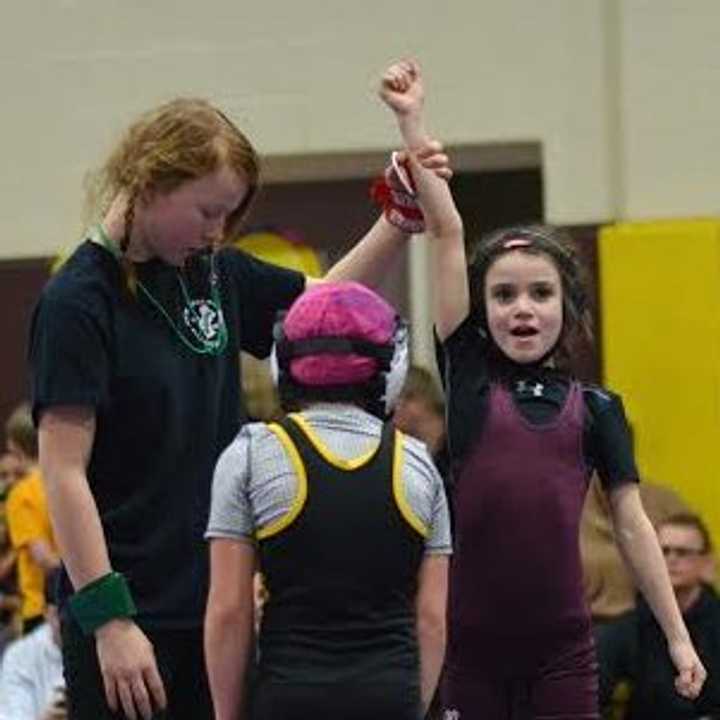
<point>516,243</point>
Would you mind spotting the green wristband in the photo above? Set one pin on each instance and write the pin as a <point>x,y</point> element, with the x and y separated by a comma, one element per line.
<point>102,600</point>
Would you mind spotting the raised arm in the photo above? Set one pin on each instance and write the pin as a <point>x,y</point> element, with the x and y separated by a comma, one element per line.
<point>640,548</point>
<point>402,91</point>
<point>381,246</point>
<point>127,661</point>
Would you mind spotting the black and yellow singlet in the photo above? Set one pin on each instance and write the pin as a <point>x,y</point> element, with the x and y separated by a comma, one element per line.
<point>341,569</point>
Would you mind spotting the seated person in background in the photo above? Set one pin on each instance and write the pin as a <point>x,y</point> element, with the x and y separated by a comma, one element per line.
<point>420,408</point>
<point>31,675</point>
<point>348,521</point>
<point>261,399</point>
<point>609,588</point>
<point>10,471</point>
<point>632,648</point>
<point>420,412</point>
<point>28,519</point>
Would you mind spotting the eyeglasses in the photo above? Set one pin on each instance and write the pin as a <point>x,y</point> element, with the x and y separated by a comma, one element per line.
<point>681,552</point>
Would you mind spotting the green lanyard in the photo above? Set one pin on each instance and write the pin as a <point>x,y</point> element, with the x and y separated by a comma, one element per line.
<point>204,319</point>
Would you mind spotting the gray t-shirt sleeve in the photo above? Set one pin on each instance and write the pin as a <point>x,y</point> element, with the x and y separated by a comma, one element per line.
<point>426,495</point>
<point>230,511</point>
<point>254,485</point>
<point>440,540</point>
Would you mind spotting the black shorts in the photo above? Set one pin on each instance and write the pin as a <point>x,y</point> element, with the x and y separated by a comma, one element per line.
<point>379,701</point>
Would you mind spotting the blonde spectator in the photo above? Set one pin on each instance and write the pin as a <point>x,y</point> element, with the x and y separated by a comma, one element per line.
<point>609,587</point>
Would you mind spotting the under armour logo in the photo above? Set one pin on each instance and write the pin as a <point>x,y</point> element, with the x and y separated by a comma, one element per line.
<point>451,714</point>
<point>525,388</point>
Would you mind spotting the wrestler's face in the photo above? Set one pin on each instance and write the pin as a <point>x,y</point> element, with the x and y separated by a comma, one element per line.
<point>173,226</point>
<point>685,555</point>
<point>523,299</point>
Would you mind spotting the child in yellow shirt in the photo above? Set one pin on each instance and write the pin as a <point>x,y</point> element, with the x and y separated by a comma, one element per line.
<point>28,520</point>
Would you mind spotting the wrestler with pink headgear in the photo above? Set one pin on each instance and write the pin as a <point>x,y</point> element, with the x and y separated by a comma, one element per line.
<point>346,518</point>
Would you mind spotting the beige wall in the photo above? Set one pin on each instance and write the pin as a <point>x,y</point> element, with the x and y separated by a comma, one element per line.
<point>671,108</point>
<point>622,94</point>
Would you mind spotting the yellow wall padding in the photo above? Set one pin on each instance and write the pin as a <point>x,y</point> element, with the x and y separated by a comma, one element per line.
<point>660,316</point>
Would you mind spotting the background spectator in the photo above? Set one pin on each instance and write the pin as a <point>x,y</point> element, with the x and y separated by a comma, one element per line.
<point>28,519</point>
<point>31,677</point>
<point>609,587</point>
<point>632,647</point>
<point>10,471</point>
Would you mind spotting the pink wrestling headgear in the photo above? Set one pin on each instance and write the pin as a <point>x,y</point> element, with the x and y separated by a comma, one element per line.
<point>341,341</point>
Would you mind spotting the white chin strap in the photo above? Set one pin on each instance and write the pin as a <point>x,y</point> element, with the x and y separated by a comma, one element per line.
<point>274,367</point>
<point>395,377</point>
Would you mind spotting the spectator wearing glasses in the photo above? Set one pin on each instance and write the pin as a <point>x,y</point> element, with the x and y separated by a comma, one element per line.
<point>632,647</point>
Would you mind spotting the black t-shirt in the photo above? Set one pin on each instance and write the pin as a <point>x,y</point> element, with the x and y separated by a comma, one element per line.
<point>163,412</point>
<point>539,393</point>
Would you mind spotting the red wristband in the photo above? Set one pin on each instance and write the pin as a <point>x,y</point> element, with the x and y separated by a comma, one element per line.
<point>395,193</point>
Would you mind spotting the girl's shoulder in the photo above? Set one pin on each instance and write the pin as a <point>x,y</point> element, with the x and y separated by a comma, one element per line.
<point>599,395</point>
<point>468,332</point>
<point>601,401</point>
<point>83,293</point>
<point>89,274</point>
